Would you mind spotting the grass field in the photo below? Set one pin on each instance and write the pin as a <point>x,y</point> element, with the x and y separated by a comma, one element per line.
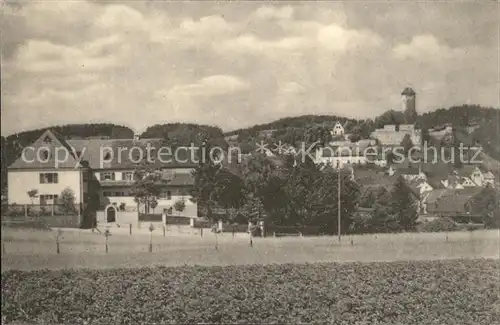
<point>30,250</point>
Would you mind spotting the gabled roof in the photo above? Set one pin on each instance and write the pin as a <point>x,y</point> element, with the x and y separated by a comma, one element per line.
<point>488,175</point>
<point>52,141</point>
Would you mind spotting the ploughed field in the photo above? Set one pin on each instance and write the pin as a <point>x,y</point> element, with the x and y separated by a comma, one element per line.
<point>455,292</point>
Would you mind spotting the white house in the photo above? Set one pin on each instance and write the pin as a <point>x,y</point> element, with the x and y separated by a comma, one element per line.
<point>100,172</point>
<point>338,129</point>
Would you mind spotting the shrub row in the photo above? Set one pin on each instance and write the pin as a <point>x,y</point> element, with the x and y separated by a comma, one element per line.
<point>439,292</point>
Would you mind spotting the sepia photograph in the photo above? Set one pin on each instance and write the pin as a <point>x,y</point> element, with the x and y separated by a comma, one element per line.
<point>250,162</point>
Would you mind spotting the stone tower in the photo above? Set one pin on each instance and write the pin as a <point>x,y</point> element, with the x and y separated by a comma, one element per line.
<point>409,105</point>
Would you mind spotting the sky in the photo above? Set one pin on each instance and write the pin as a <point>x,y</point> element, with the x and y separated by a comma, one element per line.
<point>236,64</point>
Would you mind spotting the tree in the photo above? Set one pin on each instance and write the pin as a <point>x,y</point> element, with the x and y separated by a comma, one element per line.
<point>404,205</point>
<point>205,175</point>
<point>67,200</point>
<point>323,202</point>
<point>317,133</point>
<point>457,152</point>
<point>32,195</point>
<point>487,203</point>
<point>230,190</point>
<point>406,144</point>
<point>147,185</point>
<point>179,206</point>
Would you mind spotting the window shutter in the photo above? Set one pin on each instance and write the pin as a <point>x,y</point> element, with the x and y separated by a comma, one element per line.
<point>56,178</point>
<point>42,178</point>
<point>112,176</point>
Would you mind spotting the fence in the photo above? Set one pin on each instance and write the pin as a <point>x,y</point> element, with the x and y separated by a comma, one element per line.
<point>170,220</point>
<point>47,210</point>
<point>62,221</point>
<point>292,230</point>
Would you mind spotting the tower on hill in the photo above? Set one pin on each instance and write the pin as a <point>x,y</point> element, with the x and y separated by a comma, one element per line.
<point>409,105</point>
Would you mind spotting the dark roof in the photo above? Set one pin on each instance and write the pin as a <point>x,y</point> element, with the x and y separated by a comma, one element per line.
<point>408,171</point>
<point>408,91</point>
<point>124,153</point>
<point>371,178</point>
<point>55,141</point>
<point>450,200</point>
<point>435,182</point>
<point>437,170</point>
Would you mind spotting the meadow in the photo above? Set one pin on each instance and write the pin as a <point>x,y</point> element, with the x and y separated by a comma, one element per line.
<point>31,249</point>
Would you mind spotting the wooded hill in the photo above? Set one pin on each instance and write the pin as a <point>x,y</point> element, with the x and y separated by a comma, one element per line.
<point>288,130</point>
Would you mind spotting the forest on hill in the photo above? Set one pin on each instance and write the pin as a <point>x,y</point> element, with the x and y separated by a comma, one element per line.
<point>290,130</point>
<point>185,134</point>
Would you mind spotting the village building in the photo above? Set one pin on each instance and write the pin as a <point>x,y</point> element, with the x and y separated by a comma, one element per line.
<point>100,173</point>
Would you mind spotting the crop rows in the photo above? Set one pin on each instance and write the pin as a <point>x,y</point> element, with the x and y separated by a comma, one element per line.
<point>439,292</point>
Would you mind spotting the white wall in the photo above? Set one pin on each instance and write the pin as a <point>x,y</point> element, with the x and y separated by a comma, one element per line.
<point>118,173</point>
<point>22,181</point>
<point>332,161</point>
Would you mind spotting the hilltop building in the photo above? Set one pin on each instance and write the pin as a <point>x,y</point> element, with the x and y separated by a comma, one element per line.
<point>392,134</point>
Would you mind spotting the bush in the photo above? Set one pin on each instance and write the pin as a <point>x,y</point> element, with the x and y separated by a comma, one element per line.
<point>438,225</point>
<point>348,293</point>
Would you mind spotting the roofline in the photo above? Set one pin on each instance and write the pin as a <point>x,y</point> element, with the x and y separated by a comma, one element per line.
<point>47,168</point>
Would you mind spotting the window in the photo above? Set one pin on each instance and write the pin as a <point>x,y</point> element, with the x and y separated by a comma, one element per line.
<point>47,139</point>
<point>127,176</point>
<point>108,176</point>
<point>48,178</point>
<point>169,195</point>
<point>48,199</point>
<point>107,156</point>
<point>44,155</point>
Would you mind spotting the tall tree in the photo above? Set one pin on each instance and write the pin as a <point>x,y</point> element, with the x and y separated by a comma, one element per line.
<point>487,203</point>
<point>406,144</point>
<point>404,205</point>
<point>147,187</point>
<point>205,174</point>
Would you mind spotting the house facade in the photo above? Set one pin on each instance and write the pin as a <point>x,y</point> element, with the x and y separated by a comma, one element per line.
<point>393,135</point>
<point>338,130</point>
<point>100,173</point>
<point>338,156</point>
<point>44,168</point>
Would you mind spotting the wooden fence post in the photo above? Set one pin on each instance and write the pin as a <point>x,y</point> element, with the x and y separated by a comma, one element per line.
<point>130,229</point>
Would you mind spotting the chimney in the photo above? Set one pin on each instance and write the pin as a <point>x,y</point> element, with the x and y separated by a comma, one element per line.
<point>136,136</point>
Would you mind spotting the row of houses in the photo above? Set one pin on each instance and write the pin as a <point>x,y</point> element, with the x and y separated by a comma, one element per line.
<point>439,189</point>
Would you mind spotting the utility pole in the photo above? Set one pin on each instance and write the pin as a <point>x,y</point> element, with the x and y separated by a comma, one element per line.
<point>338,204</point>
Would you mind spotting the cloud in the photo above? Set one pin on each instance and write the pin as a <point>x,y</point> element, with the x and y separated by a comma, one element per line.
<point>211,86</point>
<point>270,12</point>
<point>339,39</point>
<point>427,47</point>
<point>141,63</point>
